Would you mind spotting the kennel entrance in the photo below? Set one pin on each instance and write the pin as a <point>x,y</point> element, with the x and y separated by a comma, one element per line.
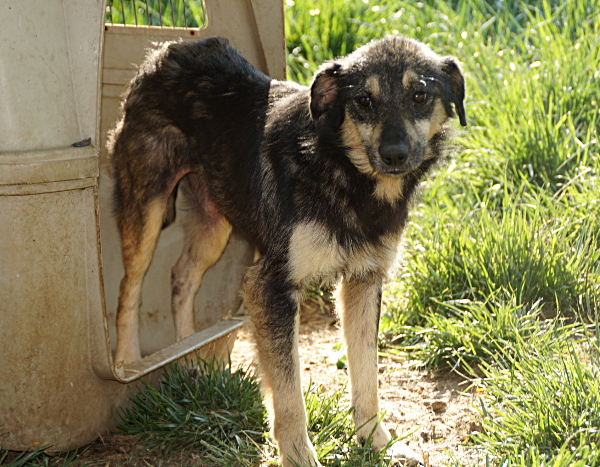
<point>64,65</point>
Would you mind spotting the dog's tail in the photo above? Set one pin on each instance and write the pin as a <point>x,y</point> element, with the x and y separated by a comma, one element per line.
<point>171,211</point>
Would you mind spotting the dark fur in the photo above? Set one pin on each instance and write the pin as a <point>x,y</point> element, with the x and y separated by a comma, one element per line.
<point>273,160</point>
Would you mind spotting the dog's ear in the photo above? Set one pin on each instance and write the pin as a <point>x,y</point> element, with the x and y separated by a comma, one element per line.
<point>456,91</point>
<point>324,89</point>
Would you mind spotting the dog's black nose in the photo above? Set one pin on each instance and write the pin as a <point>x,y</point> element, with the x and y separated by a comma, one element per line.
<point>394,154</point>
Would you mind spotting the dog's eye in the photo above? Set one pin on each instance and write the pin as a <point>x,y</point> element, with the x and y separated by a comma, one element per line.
<point>419,97</point>
<point>365,101</point>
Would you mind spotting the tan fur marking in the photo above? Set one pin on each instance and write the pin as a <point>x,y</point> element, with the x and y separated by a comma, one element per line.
<point>413,132</point>
<point>373,87</point>
<point>365,131</point>
<point>422,128</point>
<point>376,135</point>
<point>358,305</point>
<point>427,128</point>
<point>363,261</point>
<point>284,396</point>
<point>388,188</point>
<point>282,391</point>
<point>438,118</point>
<point>409,77</point>
<point>436,124</point>
<point>354,141</point>
<point>313,252</point>
<point>376,259</point>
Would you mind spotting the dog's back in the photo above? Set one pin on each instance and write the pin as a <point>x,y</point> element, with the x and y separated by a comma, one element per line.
<point>188,102</point>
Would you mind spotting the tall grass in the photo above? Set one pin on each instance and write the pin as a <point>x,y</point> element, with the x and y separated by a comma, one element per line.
<point>471,333</point>
<point>553,408</point>
<point>535,251</point>
<point>516,211</point>
<point>550,78</point>
<point>166,13</point>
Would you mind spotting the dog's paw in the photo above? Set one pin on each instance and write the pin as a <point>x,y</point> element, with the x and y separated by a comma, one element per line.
<point>305,456</point>
<point>402,455</point>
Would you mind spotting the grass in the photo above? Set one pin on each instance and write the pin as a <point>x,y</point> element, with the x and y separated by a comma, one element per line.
<point>502,262</point>
<point>166,13</point>
<point>515,213</point>
<point>332,431</point>
<point>38,458</point>
<point>210,411</point>
<point>471,333</point>
<point>532,250</point>
<point>215,416</point>
<point>553,411</point>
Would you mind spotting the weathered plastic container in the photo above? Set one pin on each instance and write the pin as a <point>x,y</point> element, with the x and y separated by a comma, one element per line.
<point>61,74</point>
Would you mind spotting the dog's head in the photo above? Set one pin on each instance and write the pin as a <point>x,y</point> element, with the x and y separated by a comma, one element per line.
<point>389,101</point>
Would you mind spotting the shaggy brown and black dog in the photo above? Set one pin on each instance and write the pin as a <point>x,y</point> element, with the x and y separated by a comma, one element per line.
<point>320,179</point>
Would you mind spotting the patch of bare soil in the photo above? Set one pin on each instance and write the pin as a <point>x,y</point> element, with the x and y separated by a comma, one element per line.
<point>433,409</point>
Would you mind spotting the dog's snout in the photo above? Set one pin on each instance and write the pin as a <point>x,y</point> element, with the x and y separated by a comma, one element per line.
<point>394,154</point>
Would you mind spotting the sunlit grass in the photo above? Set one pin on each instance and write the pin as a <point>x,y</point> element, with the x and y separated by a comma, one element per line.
<point>211,411</point>
<point>542,404</point>
<point>536,251</point>
<point>165,13</point>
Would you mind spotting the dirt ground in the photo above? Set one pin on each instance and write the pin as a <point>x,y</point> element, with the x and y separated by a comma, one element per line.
<point>434,409</point>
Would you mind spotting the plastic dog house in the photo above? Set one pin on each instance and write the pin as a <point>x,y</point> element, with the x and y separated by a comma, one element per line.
<point>62,71</point>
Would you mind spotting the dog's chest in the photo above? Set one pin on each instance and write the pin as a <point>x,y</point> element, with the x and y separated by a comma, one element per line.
<point>315,254</point>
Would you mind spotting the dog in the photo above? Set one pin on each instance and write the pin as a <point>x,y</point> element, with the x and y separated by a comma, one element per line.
<point>319,179</point>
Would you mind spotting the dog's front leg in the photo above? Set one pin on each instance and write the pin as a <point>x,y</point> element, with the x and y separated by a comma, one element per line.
<point>273,307</point>
<point>359,304</point>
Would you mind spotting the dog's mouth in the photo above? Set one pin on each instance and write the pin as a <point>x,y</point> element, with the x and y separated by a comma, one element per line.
<point>396,172</point>
<point>397,166</point>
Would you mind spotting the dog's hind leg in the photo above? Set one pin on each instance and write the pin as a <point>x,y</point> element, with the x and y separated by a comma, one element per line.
<point>138,241</point>
<point>206,235</point>
<point>359,304</point>
<point>273,306</point>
